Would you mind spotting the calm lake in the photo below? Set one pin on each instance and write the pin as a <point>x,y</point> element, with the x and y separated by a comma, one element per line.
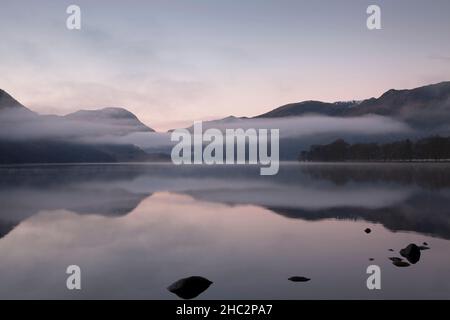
<point>136,228</point>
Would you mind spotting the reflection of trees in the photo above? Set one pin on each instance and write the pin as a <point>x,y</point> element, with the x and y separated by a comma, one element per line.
<point>102,190</point>
<point>423,213</point>
<point>431,176</point>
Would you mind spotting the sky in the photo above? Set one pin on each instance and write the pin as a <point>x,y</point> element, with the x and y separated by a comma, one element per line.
<point>175,61</point>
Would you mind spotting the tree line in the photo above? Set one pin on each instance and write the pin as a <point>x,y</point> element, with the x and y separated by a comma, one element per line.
<point>432,148</point>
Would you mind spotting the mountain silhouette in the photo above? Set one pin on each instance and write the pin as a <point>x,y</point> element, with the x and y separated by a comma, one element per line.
<point>423,107</point>
<point>426,110</point>
<point>27,137</point>
<point>10,108</point>
<point>125,121</point>
<point>8,102</point>
<point>310,107</point>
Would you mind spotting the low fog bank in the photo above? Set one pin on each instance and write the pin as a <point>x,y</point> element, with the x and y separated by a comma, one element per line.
<point>15,127</point>
<point>316,124</point>
<point>296,133</point>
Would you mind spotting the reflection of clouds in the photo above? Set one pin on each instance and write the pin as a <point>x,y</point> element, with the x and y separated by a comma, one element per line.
<point>244,249</point>
<point>399,203</point>
<point>19,204</point>
<point>272,193</point>
<point>310,199</point>
<point>155,244</point>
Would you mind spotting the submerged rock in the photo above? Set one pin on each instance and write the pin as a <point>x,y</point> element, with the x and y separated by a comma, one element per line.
<point>189,288</point>
<point>425,244</point>
<point>401,264</point>
<point>411,253</point>
<point>392,250</point>
<point>299,279</point>
<point>371,259</point>
<point>368,230</point>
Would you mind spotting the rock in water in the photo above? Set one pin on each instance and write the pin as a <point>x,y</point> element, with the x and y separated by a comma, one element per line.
<point>401,264</point>
<point>394,259</point>
<point>411,253</point>
<point>425,244</point>
<point>299,279</point>
<point>368,230</point>
<point>391,250</point>
<point>189,288</point>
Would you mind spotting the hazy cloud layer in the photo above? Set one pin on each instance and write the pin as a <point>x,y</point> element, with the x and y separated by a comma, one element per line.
<point>169,61</point>
<point>299,127</point>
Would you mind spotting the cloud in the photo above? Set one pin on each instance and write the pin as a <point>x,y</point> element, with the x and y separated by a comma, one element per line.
<point>305,130</point>
<point>314,125</point>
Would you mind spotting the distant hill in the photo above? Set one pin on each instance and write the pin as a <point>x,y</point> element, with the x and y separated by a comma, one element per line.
<point>423,111</point>
<point>423,107</point>
<point>10,107</point>
<point>230,120</point>
<point>27,137</point>
<point>8,102</point>
<point>121,119</point>
<point>310,107</point>
<point>401,103</point>
<point>54,151</point>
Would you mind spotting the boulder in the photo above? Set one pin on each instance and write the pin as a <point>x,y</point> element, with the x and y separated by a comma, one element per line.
<point>411,253</point>
<point>298,279</point>
<point>401,264</point>
<point>394,259</point>
<point>189,288</point>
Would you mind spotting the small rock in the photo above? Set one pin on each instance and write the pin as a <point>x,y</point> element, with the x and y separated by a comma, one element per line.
<point>299,279</point>
<point>394,259</point>
<point>425,244</point>
<point>401,264</point>
<point>411,253</point>
<point>189,288</point>
<point>371,259</point>
<point>368,230</point>
<point>392,250</point>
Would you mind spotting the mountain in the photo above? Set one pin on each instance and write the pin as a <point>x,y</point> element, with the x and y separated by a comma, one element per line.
<point>231,121</point>
<point>8,102</point>
<point>27,137</point>
<point>402,102</point>
<point>57,151</point>
<point>424,107</point>
<point>310,107</point>
<point>403,114</point>
<point>10,107</point>
<point>122,120</point>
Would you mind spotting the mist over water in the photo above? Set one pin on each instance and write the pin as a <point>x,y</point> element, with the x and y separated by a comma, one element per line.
<point>135,229</point>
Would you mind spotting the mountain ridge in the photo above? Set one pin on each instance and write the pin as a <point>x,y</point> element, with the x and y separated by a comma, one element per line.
<point>10,104</point>
<point>27,137</point>
<point>406,104</point>
<point>117,115</point>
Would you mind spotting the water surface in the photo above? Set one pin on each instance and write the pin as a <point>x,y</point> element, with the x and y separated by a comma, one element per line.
<point>136,228</point>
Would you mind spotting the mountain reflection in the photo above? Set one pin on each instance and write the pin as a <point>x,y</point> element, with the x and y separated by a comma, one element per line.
<point>401,197</point>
